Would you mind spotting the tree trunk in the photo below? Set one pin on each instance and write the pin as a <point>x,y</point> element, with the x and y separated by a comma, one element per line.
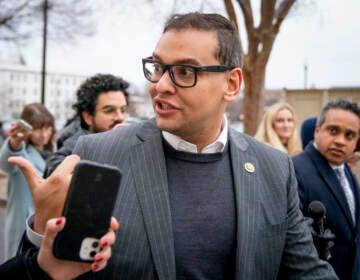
<point>254,97</point>
<point>261,39</point>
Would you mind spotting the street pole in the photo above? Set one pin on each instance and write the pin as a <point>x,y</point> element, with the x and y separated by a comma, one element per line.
<point>305,76</point>
<point>43,71</point>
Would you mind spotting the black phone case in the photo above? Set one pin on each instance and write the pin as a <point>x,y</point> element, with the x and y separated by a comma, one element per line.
<point>88,208</point>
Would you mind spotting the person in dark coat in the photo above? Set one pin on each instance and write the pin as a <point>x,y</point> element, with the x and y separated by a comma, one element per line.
<point>307,131</point>
<point>335,138</point>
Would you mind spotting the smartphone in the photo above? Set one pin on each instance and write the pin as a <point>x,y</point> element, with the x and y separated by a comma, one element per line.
<point>25,125</point>
<point>88,208</point>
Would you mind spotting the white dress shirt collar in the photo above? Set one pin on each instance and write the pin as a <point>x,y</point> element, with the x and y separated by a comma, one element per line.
<point>217,146</point>
<point>341,166</point>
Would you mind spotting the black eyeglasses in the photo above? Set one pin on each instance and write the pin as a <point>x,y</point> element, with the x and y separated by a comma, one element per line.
<point>182,75</point>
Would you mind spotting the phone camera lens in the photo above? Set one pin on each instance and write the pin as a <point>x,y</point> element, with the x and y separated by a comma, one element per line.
<point>95,244</point>
<point>92,254</point>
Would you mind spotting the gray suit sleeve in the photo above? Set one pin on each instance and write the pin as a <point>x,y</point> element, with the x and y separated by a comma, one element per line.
<point>300,258</point>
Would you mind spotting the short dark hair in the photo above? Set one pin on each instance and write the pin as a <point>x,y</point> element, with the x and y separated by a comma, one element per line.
<point>88,92</point>
<point>229,52</point>
<point>338,104</point>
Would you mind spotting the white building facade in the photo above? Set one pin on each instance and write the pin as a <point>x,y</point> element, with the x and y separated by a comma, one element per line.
<point>20,85</point>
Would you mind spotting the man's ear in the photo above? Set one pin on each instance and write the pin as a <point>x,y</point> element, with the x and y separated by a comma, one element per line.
<point>234,80</point>
<point>87,118</point>
<point>316,131</point>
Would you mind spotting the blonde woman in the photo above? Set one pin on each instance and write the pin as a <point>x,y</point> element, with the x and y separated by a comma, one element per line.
<point>278,128</point>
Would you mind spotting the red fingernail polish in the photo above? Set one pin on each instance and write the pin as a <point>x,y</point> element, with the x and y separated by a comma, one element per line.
<point>105,243</point>
<point>58,221</point>
<point>95,266</point>
<point>99,258</point>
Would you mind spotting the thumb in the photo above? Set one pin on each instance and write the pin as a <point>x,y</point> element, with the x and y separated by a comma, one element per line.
<point>27,168</point>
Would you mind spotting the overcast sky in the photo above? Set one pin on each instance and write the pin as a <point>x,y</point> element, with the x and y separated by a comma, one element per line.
<point>326,38</point>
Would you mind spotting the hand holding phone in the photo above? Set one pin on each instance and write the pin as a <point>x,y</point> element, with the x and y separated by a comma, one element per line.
<point>58,269</point>
<point>18,133</point>
<point>88,208</point>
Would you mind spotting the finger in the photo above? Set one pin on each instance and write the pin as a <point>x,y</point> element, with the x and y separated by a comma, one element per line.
<point>67,165</point>
<point>53,226</point>
<point>114,224</point>
<point>16,134</point>
<point>108,239</point>
<point>101,259</point>
<point>20,135</point>
<point>16,129</point>
<point>95,266</point>
<point>13,128</point>
<point>64,171</point>
<point>27,168</point>
<point>103,255</point>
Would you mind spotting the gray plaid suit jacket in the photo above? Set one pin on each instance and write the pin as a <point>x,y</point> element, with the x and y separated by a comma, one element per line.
<point>273,241</point>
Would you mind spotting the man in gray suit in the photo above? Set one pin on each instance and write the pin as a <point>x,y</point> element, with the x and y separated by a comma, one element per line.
<point>197,200</point>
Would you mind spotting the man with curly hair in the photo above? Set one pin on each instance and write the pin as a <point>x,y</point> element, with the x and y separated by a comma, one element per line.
<point>101,105</point>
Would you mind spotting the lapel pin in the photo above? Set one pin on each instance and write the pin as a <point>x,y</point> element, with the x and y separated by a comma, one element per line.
<point>249,167</point>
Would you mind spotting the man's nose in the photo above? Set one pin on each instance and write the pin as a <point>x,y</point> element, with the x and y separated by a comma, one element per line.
<point>340,138</point>
<point>120,115</point>
<point>165,84</point>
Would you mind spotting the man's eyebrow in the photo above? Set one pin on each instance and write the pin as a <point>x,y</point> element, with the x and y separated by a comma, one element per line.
<point>187,61</point>
<point>350,131</point>
<point>347,130</point>
<point>113,106</point>
<point>108,106</point>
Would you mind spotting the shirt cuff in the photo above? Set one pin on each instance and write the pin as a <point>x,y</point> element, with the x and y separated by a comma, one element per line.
<point>34,237</point>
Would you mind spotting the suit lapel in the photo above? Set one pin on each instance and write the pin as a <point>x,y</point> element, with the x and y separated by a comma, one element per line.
<point>148,162</point>
<point>247,203</point>
<point>331,181</point>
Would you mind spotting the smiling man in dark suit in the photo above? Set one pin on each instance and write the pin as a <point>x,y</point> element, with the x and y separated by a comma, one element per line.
<point>198,200</point>
<point>336,134</point>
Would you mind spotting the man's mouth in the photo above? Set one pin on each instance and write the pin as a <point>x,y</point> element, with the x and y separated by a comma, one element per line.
<point>164,106</point>
<point>337,152</point>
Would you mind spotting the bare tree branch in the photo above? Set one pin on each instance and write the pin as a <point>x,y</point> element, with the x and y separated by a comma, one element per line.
<point>232,16</point>
<point>231,12</point>
<point>68,19</point>
<point>246,9</point>
<point>282,12</point>
<point>267,14</point>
